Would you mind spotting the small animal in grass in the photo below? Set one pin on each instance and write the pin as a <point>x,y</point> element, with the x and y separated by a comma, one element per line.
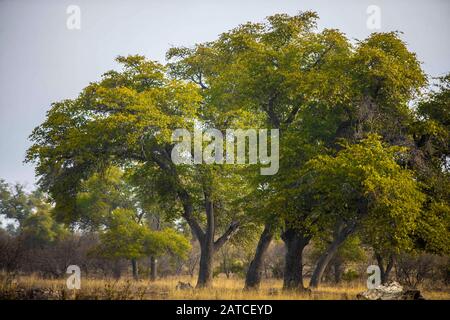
<point>184,286</point>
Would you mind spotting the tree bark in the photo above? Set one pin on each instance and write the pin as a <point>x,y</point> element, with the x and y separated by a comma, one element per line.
<point>134,267</point>
<point>208,247</point>
<point>341,234</point>
<point>293,265</point>
<point>153,268</point>
<point>385,271</point>
<point>206,238</point>
<point>338,270</point>
<point>205,270</point>
<point>225,264</point>
<point>254,272</point>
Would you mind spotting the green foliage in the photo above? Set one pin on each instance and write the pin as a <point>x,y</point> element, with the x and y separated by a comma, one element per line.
<point>434,121</point>
<point>15,203</point>
<point>127,238</point>
<point>350,275</point>
<point>360,188</point>
<point>98,197</point>
<point>352,250</point>
<point>434,228</point>
<point>166,241</point>
<point>104,157</point>
<point>32,211</point>
<point>431,162</point>
<point>317,87</point>
<point>124,119</point>
<point>41,229</point>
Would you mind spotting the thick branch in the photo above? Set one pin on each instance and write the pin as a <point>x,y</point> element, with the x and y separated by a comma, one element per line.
<point>188,212</point>
<point>269,108</point>
<point>210,220</point>
<point>232,229</point>
<point>292,114</point>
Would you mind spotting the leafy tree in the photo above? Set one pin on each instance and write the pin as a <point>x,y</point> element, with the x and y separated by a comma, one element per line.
<point>359,187</point>
<point>129,239</point>
<point>351,251</point>
<point>36,227</point>
<point>430,159</point>
<point>14,201</point>
<point>98,196</point>
<point>316,87</point>
<point>267,73</point>
<point>32,211</point>
<point>41,229</point>
<point>127,120</point>
<point>432,129</point>
<point>113,190</point>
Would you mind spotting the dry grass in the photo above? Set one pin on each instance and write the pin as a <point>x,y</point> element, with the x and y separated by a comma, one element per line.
<point>32,287</point>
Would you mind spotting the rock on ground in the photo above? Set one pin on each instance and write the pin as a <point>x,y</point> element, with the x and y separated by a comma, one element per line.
<point>390,291</point>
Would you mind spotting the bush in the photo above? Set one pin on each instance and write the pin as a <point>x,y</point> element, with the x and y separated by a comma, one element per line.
<point>350,275</point>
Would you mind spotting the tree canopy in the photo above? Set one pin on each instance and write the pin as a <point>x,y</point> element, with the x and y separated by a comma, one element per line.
<point>362,148</point>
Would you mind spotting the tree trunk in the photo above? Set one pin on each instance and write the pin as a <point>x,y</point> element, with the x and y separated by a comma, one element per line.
<point>226,268</point>
<point>153,268</point>
<point>340,236</point>
<point>207,247</point>
<point>206,238</point>
<point>134,267</point>
<point>254,272</point>
<point>293,265</point>
<point>338,270</point>
<point>388,270</point>
<point>117,272</point>
<point>205,272</point>
<point>385,271</point>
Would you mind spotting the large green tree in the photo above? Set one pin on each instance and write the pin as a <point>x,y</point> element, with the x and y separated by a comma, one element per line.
<point>431,160</point>
<point>127,120</point>
<point>361,187</point>
<point>317,88</point>
<point>269,72</point>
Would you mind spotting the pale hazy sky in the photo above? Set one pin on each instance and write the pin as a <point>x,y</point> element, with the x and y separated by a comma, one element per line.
<point>42,61</point>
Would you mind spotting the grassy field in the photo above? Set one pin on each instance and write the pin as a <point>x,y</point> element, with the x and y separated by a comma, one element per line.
<point>31,287</point>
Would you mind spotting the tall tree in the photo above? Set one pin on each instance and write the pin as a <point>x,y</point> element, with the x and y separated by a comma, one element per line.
<point>359,187</point>
<point>127,120</point>
<point>268,72</point>
<point>430,159</point>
